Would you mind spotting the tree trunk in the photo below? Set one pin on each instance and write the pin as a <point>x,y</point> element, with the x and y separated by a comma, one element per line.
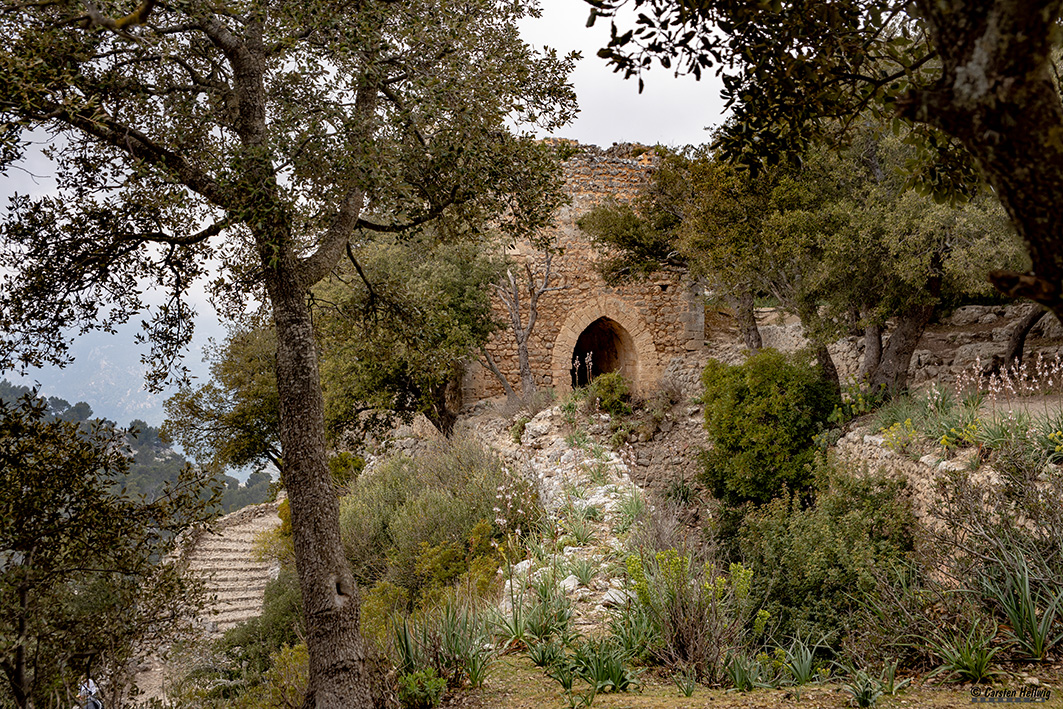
<point>998,96</point>
<point>746,319</point>
<point>1017,339</point>
<point>826,367</point>
<point>527,380</point>
<point>872,353</point>
<point>510,394</point>
<point>344,671</point>
<point>891,375</point>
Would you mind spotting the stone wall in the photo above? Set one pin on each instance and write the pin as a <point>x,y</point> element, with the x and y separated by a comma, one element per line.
<point>656,323</point>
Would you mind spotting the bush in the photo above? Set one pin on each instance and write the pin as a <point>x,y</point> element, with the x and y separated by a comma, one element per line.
<point>251,645</point>
<point>421,690</point>
<point>698,613</point>
<point>422,523</point>
<point>612,393</point>
<point>761,417</point>
<point>814,563</point>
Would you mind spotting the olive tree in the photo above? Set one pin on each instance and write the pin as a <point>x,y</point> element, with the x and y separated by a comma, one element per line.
<point>248,143</point>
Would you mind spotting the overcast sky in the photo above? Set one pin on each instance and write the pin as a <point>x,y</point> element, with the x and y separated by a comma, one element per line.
<point>671,111</point>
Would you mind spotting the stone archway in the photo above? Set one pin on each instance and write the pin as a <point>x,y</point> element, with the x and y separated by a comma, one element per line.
<point>616,335</point>
<point>604,346</point>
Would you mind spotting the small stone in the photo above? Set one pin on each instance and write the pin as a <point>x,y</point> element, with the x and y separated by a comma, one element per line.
<point>569,584</point>
<point>616,597</point>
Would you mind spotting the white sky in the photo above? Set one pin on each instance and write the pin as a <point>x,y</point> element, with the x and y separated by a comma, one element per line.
<point>671,111</point>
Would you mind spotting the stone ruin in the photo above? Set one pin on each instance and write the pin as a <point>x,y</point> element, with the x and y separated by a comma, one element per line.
<point>645,330</point>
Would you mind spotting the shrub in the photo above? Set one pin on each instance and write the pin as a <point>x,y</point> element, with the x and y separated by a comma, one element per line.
<point>250,645</point>
<point>814,563</point>
<point>699,612</point>
<point>761,417</point>
<point>421,690</point>
<point>286,681</point>
<point>612,393</point>
<point>345,468</point>
<point>422,523</point>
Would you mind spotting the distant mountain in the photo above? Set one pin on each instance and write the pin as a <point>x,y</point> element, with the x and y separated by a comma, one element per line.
<point>107,372</point>
<point>153,463</point>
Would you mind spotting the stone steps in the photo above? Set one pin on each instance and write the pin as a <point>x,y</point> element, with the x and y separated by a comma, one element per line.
<point>225,557</point>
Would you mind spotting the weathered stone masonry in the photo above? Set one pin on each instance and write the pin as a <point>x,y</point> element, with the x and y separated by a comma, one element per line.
<point>642,329</point>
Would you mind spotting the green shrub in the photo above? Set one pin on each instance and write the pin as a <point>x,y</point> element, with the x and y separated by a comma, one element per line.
<point>421,690</point>
<point>381,603</point>
<point>699,612</point>
<point>286,681</point>
<point>250,645</point>
<point>516,431</point>
<point>814,563</point>
<point>422,523</point>
<point>761,417</point>
<point>612,393</point>
<point>345,468</point>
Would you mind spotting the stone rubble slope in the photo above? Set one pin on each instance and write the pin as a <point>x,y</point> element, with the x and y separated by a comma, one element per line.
<point>572,472</point>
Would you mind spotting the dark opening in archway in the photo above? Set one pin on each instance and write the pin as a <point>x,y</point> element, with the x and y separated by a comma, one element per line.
<point>604,346</point>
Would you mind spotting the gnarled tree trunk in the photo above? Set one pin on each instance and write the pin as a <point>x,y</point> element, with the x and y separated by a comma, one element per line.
<point>891,375</point>
<point>746,319</point>
<point>872,352</point>
<point>1017,338</point>
<point>998,96</point>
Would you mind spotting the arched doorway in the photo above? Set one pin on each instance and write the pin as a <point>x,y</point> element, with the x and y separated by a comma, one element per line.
<point>603,346</point>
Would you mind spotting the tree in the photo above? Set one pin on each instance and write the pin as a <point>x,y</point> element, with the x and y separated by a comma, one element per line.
<point>397,325</point>
<point>839,241</point>
<point>690,190</point>
<point>975,80</point>
<point>266,137</point>
<point>81,582</point>
<point>234,420</point>
<point>536,279</point>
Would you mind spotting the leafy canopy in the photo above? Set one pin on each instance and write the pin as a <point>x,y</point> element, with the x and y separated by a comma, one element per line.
<point>170,159</point>
<point>82,579</point>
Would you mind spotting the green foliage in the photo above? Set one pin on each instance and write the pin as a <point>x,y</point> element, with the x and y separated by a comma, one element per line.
<point>686,682</point>
<point>453,641</point>
<point>864,689</point>
<point>761,417</point>
<point>421,523</point>
<point>84,577</point>
<point>603,665</point>
<point>630,509</point>
<point>345,467</point>
<point>395,332</point>
<point>612,393</point>
<point>745,673</point>
<point>814,562</point>
<point>584,569</point>
<point>233,420</point>
<point>421,690</point>
<point>252,644</point>
<point>1020,600</point>
<point>699,613</point>
<point>965,657</point>
<point>286,680</point>
<point>516,431</point>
